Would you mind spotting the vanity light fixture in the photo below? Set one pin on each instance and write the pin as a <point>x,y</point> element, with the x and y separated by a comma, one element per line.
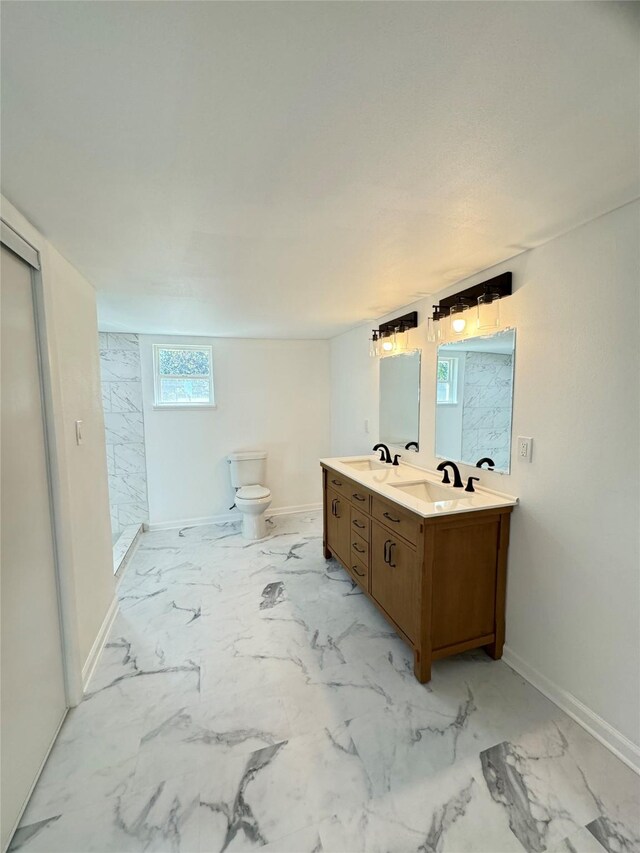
<point>458,318</point>
<point>436,325</point>
<point>488,309</point>
<point>374,344</point>
<point>457,308</point>
<point>392,337</point>
<point>387,343</point>
<point>402,337</point>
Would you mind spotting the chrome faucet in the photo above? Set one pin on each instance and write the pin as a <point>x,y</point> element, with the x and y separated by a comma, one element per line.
<point>385,455</point>
<point>457,479</point>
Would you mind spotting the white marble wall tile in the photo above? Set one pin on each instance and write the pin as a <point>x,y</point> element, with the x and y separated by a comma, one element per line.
<point>123,427</point>
<point>484,417</point>
<point>115,522</point>
<point>111,464</point>
<point>132,513</point>
<point>128,489</point>
<point>116,365</point>
<point>126,396</point>
<point>123,341</point>
<point>103,340</point>
<point>106,397</point>
<point>129,458</point>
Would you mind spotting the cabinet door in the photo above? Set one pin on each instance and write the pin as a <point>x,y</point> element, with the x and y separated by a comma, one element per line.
<point>338,525</point>
<point>394,578</point>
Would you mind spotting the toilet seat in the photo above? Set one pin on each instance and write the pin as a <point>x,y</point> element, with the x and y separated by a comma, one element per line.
<point>253,493</point>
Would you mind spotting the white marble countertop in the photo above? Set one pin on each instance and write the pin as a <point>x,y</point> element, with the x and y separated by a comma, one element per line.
<point>383,480</point>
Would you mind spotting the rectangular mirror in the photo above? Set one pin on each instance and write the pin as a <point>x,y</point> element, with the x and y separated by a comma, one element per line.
<point>400,398</point>
<point>474,399</point>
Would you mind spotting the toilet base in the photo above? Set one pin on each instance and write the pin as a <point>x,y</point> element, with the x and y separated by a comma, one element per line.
<point>254,526</point>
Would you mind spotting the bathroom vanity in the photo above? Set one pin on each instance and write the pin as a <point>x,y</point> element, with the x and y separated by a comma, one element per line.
<point>432,558</point>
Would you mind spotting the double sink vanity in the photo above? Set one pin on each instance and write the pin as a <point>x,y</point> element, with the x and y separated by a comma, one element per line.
<point>433,558</point>
<point>432,555</point>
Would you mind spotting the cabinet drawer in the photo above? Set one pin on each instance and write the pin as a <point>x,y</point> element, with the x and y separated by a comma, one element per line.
<point>359,497</point>
<point>359,571</point>
<point>399,520</point>
<point>359,548</point>
<point>395,579</point>
<point>338,483</point>
<point>360,524</point>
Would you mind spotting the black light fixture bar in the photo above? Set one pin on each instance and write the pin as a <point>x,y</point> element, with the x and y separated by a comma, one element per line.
<point>501,284</point>
<point>407,321</point>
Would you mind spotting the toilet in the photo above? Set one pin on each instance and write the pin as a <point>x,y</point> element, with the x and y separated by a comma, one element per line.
<point>248,472</point>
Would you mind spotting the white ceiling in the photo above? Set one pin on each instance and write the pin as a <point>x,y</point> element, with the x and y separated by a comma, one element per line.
<point>292,169</point>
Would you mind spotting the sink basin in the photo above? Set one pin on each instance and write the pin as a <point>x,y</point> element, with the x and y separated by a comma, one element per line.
<point>430,492</point>
<point>364,464</point>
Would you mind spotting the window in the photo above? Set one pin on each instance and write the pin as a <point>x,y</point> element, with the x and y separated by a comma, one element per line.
<point>183,376</point>
<point>447,384</point>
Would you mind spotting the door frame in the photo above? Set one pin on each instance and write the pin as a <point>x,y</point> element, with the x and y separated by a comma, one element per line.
<point>11,239</point>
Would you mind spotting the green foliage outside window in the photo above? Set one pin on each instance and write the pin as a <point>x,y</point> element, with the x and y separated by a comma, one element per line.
<point>443,371</point>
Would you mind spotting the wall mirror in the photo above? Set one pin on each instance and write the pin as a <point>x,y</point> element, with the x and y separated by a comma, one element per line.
<point>474,399</point>
<point>400,398</point>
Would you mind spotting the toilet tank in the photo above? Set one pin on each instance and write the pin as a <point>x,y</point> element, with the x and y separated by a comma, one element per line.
<point>248,468</point>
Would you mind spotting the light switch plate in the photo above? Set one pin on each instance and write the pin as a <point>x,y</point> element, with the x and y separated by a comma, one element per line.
<point>525,448</point>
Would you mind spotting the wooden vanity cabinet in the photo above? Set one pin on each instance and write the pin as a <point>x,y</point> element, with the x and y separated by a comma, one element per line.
<point>338,524</point>
<point>439,581</point>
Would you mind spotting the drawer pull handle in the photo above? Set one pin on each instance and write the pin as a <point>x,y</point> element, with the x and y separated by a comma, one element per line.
<point>358,497</point>
<point>333,507</point>
<point>355,547</point>
<point>391,518</point>
<point>337,482</point>
<point>386,550</point>
<point>392,565</point>
<point>356,523</point>
<point>355,569</point>
<point>337,500</point>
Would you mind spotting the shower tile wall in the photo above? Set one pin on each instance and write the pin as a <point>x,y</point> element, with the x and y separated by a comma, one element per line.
<point>124,426</point>
<point>486,414</point>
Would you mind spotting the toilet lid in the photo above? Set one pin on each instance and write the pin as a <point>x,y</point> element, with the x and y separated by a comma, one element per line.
<point>252,493</point>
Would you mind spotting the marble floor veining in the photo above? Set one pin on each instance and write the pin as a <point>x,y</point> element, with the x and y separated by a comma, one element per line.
<point>249,696</point>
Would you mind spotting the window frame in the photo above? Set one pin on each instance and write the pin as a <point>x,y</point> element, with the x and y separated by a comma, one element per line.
<point>452,382</point>
<point>157,377</point>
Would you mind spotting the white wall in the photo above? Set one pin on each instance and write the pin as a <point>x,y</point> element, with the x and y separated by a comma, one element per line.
<point>271,395</point>
<point>574,581</point>
<point>80,472</point>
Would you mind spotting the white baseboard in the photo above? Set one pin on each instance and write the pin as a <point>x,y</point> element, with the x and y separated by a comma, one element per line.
<point>625,749</point>
<point>228,516</point>
<point>98,645</point>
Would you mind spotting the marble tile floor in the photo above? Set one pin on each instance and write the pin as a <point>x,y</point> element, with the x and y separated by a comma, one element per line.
<point>249,696</point>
